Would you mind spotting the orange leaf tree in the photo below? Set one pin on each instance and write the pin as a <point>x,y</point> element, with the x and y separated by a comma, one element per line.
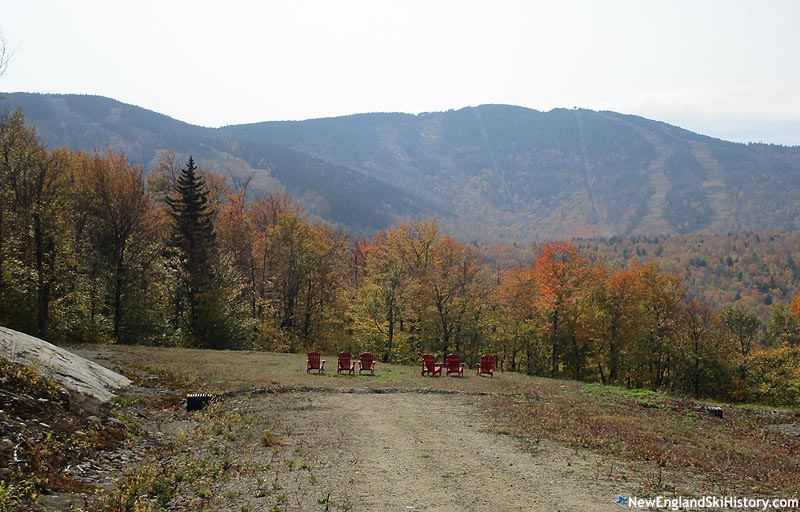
<point>512,321</point>
<point>560,274</point>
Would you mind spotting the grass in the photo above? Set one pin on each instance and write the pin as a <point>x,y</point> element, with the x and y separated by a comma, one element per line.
<point>270,439</point>
<point>230,371</point>
<point>633,424</point>
<point>730,454</point>
<point>184,471</point>
<point>198,467</point>
<point>665,437</point>
<point>42,434</point>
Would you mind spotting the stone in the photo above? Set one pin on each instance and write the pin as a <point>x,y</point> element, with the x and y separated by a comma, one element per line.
<point>69,370</point>
<point>114,422</point>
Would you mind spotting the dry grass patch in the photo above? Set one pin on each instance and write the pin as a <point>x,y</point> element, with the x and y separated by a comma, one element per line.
<point>733,453</point>
<point>227,371</point>
<point>661,433</point>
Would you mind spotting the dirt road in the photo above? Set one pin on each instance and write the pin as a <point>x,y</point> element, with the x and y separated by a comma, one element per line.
<point>411,451</point>
<point>403,449</point>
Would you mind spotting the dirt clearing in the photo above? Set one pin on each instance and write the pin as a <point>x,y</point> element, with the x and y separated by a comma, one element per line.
<point>433,452</point>
<point>279,439</point>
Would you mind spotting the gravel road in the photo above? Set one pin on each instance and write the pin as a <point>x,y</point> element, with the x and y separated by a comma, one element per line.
<point>427,452</point>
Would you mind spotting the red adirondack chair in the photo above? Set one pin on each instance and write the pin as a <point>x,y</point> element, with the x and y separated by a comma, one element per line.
<point>430,366</point>
<point>366,363</point>
<point>315,363</point>
<point>345,365</point>
<point>486,366</point>
<point>454,365</point>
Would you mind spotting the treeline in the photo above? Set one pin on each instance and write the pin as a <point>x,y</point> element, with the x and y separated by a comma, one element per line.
<point>753,268</point>
<point>92,251</point>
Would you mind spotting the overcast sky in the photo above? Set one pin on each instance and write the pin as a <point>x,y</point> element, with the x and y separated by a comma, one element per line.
<point>726,68</point>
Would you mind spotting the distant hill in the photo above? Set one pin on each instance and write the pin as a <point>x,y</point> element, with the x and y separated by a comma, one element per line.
<point>519,173</point>
<point>494,172</point>
<point>332,192</point>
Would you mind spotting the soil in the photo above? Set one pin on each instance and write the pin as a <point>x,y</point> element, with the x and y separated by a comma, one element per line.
<point>409,451</point>
<point>346,449</point>
<point>341,449</point>
<point>403,451</point>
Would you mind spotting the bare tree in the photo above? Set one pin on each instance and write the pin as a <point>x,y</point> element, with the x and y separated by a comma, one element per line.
<point>5,54</point>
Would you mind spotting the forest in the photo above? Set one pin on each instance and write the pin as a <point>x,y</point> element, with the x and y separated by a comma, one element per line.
<point>94,249</point>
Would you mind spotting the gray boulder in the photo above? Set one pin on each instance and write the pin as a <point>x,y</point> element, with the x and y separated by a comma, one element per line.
<point>71,371</point>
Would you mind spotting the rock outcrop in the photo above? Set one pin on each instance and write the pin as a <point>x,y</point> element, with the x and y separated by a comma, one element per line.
<point>71,371</point>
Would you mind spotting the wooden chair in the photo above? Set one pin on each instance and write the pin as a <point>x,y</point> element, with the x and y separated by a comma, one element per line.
<point>366,363</point>
<point>486,366</point>
<point>345,365</point>
<point>454,365</point>
<point>315,363</point>
<point>430,366</point>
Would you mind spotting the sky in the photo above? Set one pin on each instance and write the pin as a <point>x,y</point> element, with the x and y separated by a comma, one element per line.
<point>725,68</point>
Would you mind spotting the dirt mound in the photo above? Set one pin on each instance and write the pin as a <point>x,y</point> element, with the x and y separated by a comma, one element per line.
<point>69,370</point>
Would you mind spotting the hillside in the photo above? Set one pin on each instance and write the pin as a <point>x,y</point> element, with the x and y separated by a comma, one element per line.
<point>510,442</point>
<point>494,173</point>
<point>332,192</point>
<point>519,173</point>
<point>757,268</point>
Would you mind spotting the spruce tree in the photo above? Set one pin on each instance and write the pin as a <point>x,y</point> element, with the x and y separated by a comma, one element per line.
<point>194,242</point>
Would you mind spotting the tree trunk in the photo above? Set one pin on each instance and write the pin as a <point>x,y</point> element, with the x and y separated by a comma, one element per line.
<point>529,368</point>
<point>554,342</point>
<point>42,284</point>
<point>613,359</point>
<point>390,319</point>
<point>118,278</point>
<point>2,284</point>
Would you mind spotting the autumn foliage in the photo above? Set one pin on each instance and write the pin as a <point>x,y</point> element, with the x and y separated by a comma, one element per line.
<point>91,250</point>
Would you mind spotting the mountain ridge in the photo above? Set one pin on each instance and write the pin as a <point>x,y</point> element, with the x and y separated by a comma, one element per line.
<point>613,174</point>
<point>492,172</point>
<point>328,191</point>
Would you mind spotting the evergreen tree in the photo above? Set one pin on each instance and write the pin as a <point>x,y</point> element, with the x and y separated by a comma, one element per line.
<point>194,242</point>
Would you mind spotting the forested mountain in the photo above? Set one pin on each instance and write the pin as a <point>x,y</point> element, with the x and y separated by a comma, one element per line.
<point>519,173</point>
<point>758,269</point>
<point>335,193</point>
<point>91,249</point>
<point>496,173</point>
